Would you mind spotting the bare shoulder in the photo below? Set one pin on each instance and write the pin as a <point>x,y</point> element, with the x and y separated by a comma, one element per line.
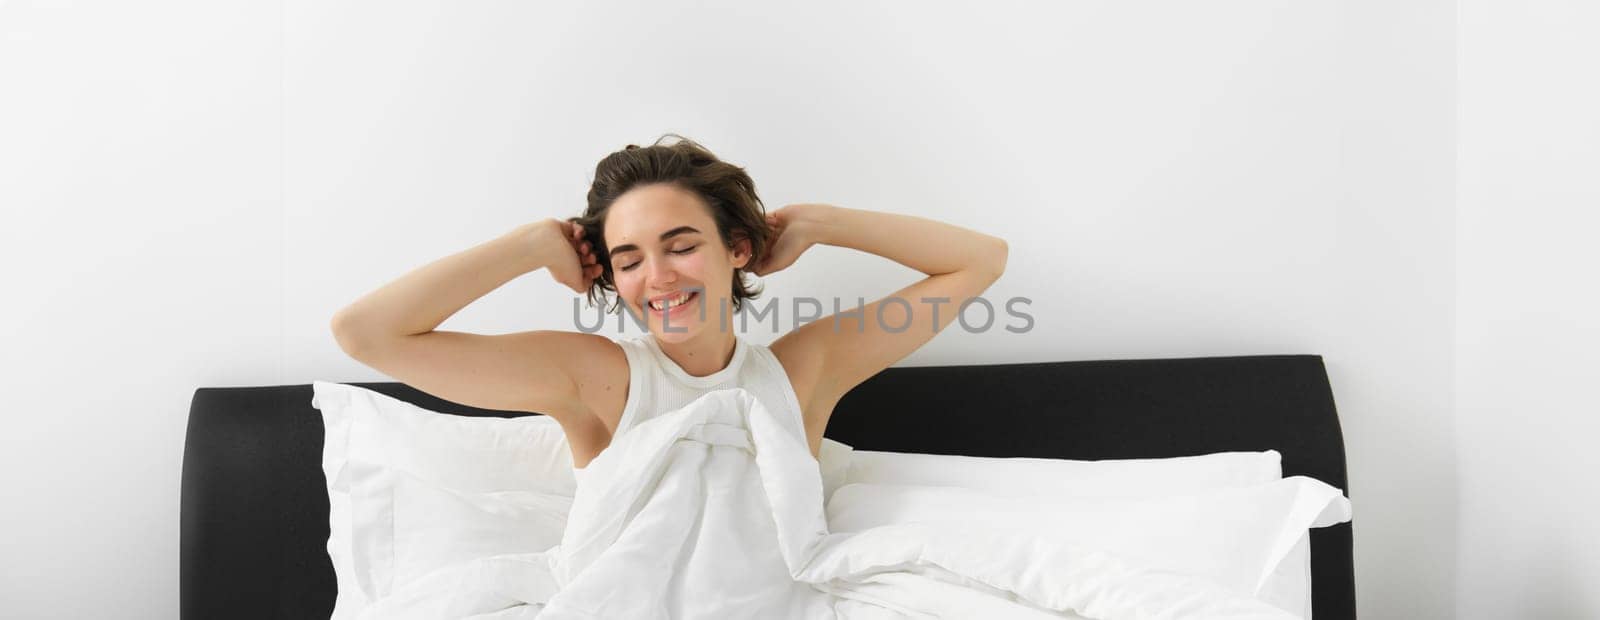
<point>599,373</point>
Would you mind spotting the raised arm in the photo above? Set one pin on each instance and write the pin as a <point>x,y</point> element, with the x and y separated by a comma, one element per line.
<point>851,346</point>
<point>392,329</point>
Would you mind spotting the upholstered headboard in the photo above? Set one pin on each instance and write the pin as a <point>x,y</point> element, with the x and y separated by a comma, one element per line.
<point>254,514</point>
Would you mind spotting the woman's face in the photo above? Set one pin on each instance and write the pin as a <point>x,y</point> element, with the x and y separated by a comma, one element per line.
<point>663,244</point>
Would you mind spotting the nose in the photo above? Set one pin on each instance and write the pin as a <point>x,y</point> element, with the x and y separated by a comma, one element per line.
<point>662,273</point>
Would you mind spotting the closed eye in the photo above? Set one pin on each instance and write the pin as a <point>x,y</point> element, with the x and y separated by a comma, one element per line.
<point>683,251</point>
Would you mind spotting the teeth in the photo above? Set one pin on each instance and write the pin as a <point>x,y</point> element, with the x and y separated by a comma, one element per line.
<point>671,303</point>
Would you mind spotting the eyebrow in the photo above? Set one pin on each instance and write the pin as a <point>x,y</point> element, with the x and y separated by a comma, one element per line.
<point>629,247</point>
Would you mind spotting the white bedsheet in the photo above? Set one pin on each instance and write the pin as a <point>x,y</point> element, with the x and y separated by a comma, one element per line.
<point>715,510</point>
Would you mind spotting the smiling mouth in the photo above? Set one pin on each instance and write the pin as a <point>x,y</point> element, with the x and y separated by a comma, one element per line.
<point>668,305</point>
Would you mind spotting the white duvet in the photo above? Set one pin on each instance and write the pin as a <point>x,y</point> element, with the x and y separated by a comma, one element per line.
<point>715,510</point>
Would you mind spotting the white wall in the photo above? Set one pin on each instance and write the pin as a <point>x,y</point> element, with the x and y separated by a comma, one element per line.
<point>1527,335</point>
<point>141,245</point>
<point>199,186</point>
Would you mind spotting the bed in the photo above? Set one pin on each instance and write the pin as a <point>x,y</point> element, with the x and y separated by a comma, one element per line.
<point>253,522</point>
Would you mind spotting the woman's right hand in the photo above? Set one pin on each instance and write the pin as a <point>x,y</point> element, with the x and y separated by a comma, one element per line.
<point>569,256</point>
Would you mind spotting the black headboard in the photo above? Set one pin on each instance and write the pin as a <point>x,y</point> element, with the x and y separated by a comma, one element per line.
<point>254,524</point>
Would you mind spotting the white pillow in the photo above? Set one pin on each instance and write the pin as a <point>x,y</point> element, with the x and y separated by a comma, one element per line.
<point>436,527</point>
<point>1236,536</point>
<point>1288,587</point>
<point>1103,478</point>
<point>410,490</point>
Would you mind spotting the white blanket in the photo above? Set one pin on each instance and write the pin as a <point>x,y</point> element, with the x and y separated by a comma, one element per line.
<point>715,510</point>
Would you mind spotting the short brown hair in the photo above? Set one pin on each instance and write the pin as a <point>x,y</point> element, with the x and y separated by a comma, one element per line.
<point>725,188</point>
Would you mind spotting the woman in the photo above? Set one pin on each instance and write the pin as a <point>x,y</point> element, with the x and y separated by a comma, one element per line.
<point>667,224</point>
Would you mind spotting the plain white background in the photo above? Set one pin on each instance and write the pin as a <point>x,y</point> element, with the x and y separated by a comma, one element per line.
<point>191,189</point>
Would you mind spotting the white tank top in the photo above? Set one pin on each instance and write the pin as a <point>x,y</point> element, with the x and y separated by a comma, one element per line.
<point>656,384</point>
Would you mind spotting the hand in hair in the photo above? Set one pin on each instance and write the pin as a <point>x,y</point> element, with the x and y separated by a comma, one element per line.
<point>794,231</point>
<point>566,253</point>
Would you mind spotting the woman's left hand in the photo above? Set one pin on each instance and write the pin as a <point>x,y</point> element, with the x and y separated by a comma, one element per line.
<point>794,229</point>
